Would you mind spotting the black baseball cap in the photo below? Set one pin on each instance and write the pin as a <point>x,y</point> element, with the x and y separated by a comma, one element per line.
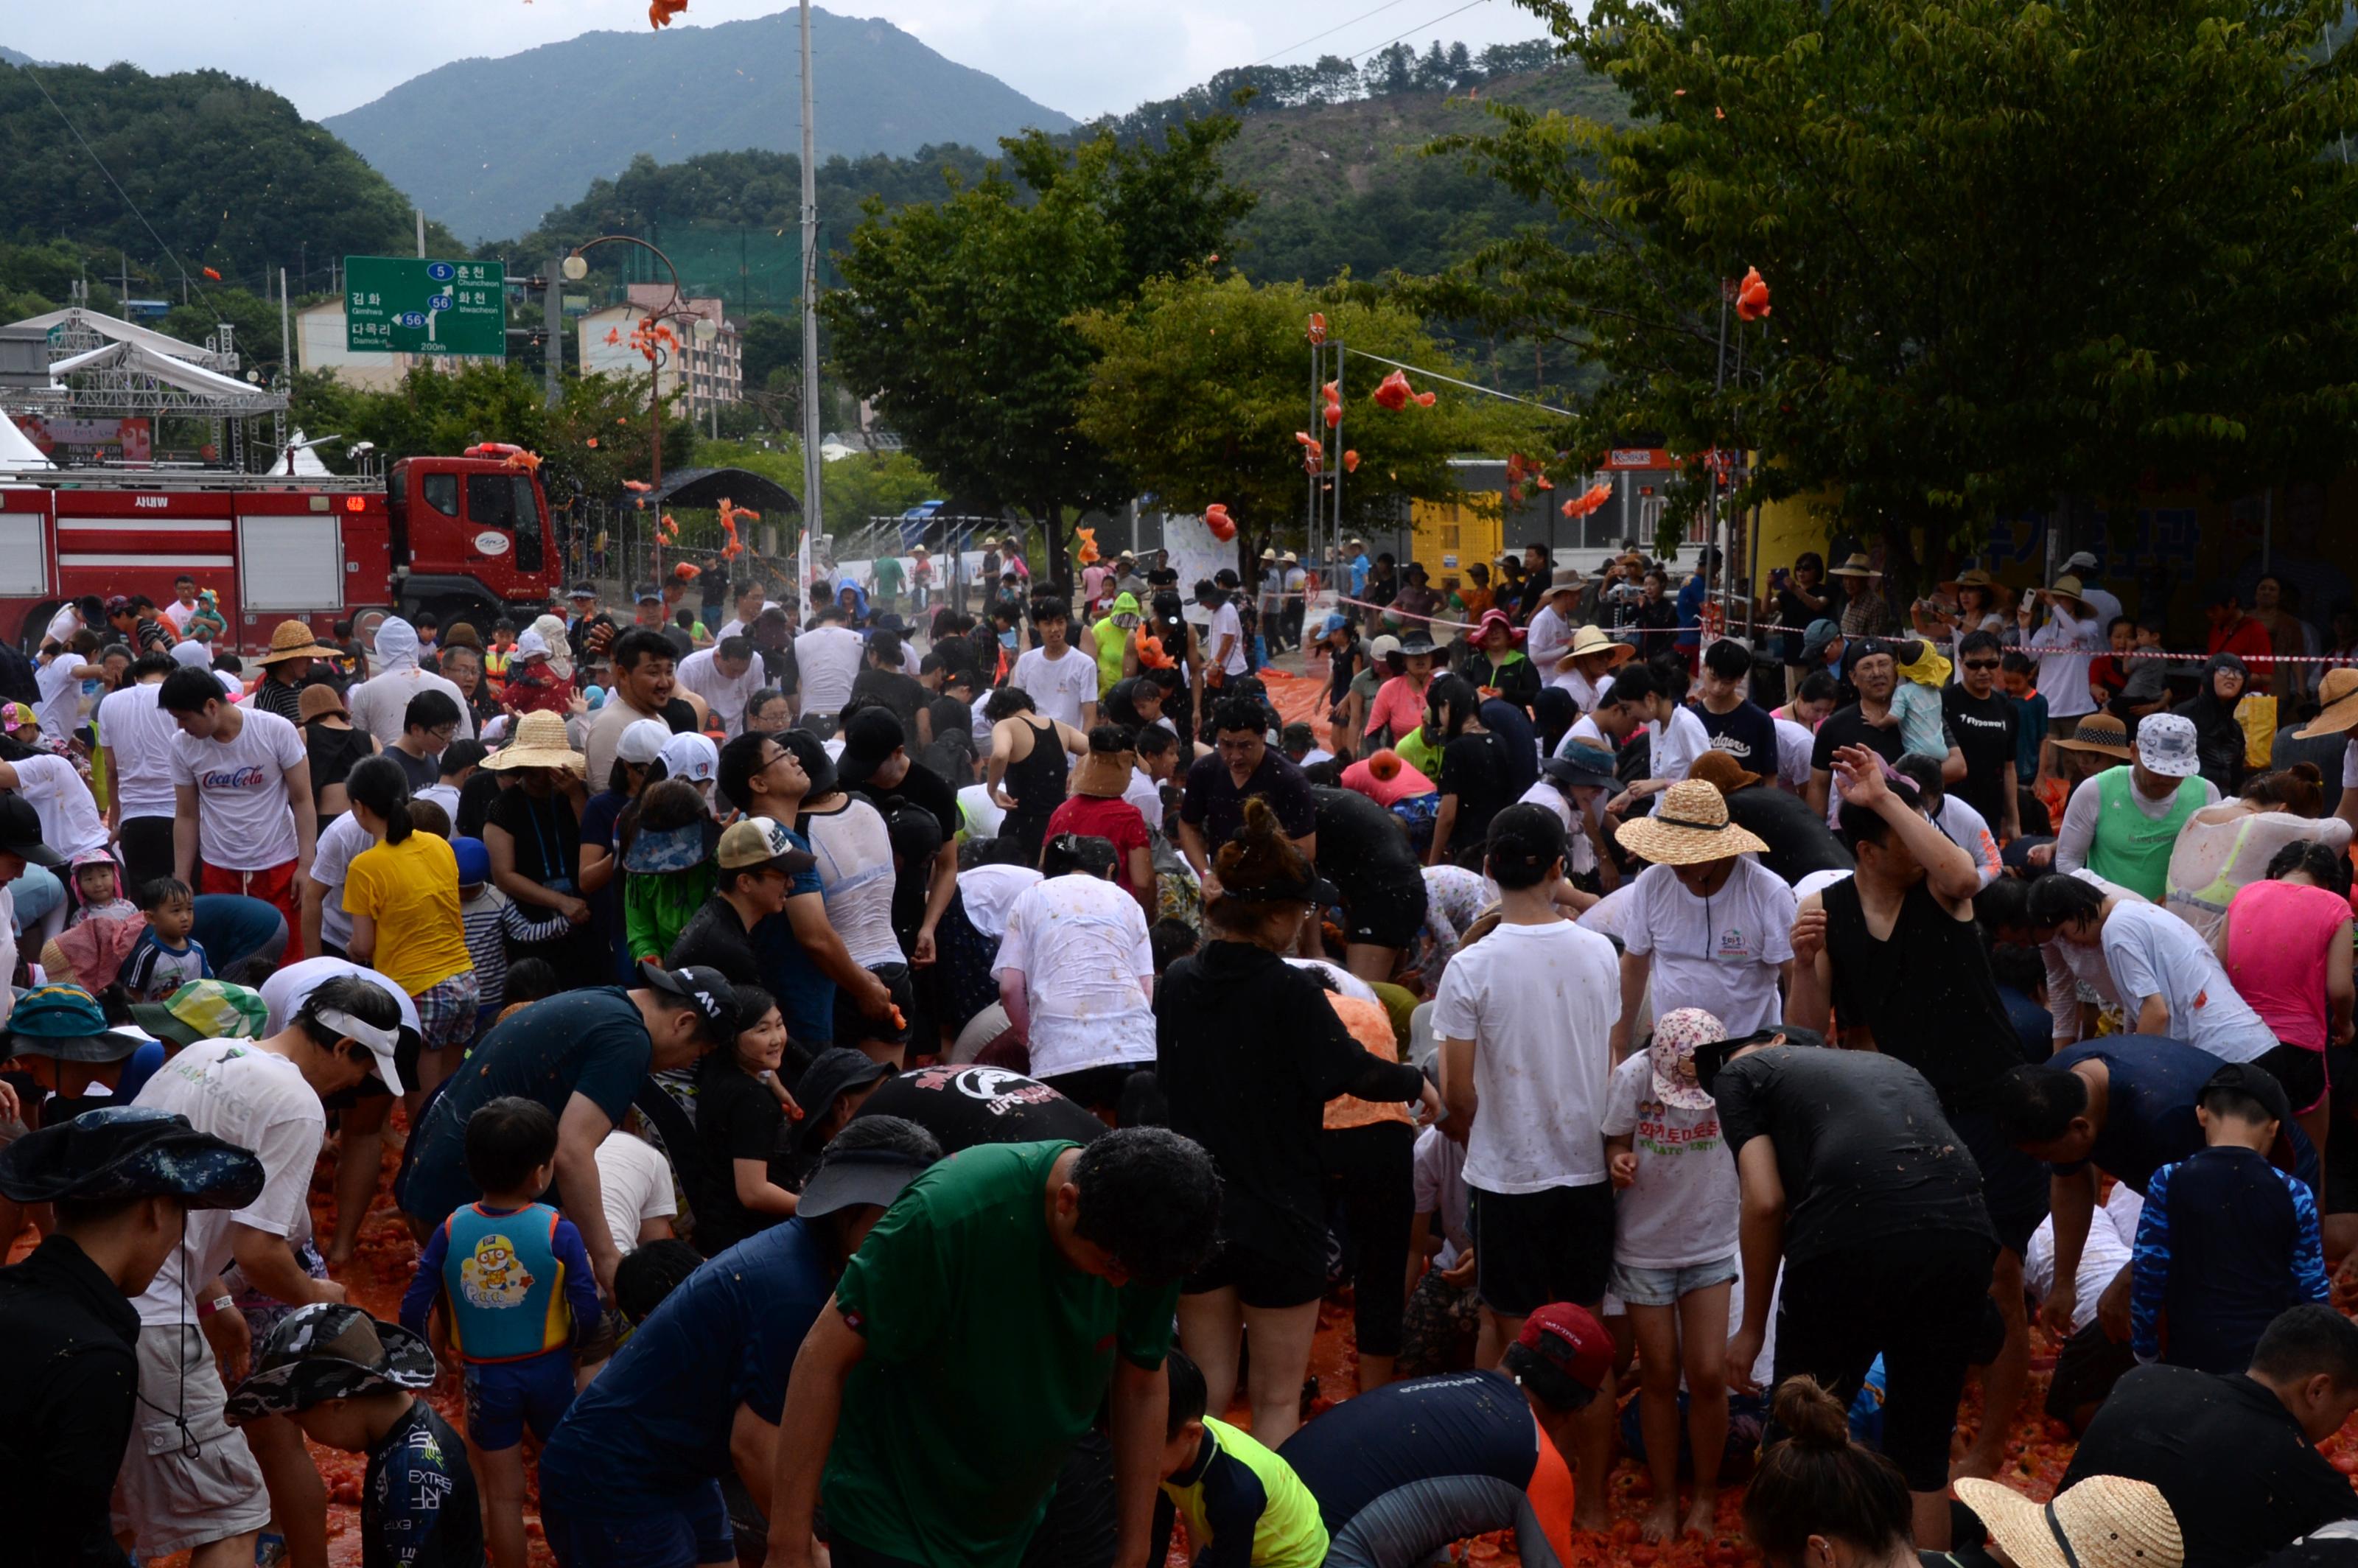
<point>1526,837</point>
<point>20,832</point>
<point>872,735</point>
<point>708,988</point>
<point>2248,1078</point>
<point>867,1162</point>
<point>831,1073</point>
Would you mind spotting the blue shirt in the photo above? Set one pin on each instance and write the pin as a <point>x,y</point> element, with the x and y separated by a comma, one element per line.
<point>231,926</point>
<point>1691,594</point>
<point>2029,730</point>
<point>656,1421</point>
<point>806,996</point>
<point>2149,1109</point>
<point>589,1042</point>
<point>1360,566</point>
<point>2226,1243</point>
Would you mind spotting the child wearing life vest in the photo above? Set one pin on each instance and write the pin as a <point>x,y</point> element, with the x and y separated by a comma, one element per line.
<point>516,1290</point>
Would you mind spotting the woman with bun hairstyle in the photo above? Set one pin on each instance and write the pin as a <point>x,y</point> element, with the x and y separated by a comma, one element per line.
<point>1818,1500</point>
<point>1247,1053</point>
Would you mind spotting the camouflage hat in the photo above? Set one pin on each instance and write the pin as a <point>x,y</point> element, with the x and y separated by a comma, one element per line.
<point>129,1152</point>
<point>328,1350</point>
<point>203,1009</point>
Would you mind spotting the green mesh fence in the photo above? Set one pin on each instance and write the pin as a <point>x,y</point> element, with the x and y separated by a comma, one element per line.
<point>752,269</point>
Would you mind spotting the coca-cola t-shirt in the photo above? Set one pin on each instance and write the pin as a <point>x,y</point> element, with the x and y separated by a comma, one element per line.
<point>243,823</point>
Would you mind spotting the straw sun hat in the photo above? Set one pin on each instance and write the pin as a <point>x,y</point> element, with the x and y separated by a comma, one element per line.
<point>1592,640</point>
<point>540,742</point>
<point>2103,1521</point>
<point>1689,827</point>
<point>2102,734</point>
<point>1856,564</point>
<point>292,640</point>
<point>2337,697</point>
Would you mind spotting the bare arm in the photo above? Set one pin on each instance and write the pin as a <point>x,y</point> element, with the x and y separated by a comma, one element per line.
<point>1811,999</point>
<point>363,945</point>
<point>937,901</point>
<point>1139,1405</point>
<point>2073,1201</point>
<point>1190,845</point>
<point>1820,786</point>
<point>1458,1084</point>
<point>1635,967</point>
<point>756,1191</point>
<point>1017,1000</point>
<point>1949,871</point>
<point>2010,825</point>
<point>184,833</point>
<point>1762,1240</point>
<point>267,1261</point>
<point>812,1408</point>
<point>2153,1016</point>
<point>754,1450</point>
<point>579,1132</point>
<point>1952,766</point>
<point>307,814</point>
<point>1445,823</point>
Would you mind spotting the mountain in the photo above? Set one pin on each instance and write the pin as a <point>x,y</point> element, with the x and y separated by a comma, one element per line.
<point>10,57</point>
<point>491,145</point>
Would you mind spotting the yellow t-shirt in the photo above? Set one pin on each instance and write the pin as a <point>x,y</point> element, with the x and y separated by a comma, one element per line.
<point>411,891</point>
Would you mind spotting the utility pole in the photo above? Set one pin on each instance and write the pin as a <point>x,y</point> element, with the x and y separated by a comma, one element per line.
<point>810,315</point>
<point>122,301</point>
<point>286,330</point>
<point>552,320</point>
<point>420,213</point>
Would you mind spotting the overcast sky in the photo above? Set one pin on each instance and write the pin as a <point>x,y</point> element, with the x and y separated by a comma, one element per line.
<point>1084,56</point>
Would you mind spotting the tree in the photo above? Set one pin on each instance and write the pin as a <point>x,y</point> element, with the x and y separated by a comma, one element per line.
<point>1198,391</point>
<point>958,321</point>
<point>2015,253</point>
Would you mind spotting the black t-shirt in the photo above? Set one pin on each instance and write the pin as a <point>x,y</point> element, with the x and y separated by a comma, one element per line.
<point>1745,733</point>
<point>1848,727</point>
<point>1984,732</point>
<point>952,722</point>
<point>903,694</point>
<point>1361,849</point>
<point>737,1118</point>
<point>963,1107</point>
<point>1862,1147</point>
<point>1798,840</point>
<point>715,937</point>
<point>332,753</point>
<point>1518,745</point>
<point>1215,804</point>
<point>69,1384</point>
<point>419,770</point>
<point>779,669</point>
<point>919,786</point>
<point>1471,769</point>
<point>547,837</point>
<point>419,1497</point>
<point>2225,1455</point>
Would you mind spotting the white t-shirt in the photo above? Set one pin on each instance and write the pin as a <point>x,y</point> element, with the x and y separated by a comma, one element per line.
<point>378,704</point>
<point>134,727</point>
<point>1969,831</point>
<point>242,1094</point>
<point>60,708</point>
<point>1672,748</point>
<point>1439,1170</point>
<point>331,864</point>
<point>1584,728</point>
<point>855,873</point>
<point>1720,954</point>
<point>1550,635</point>
<point>1540,1003</point>
<point>2350,765</point>
<point>2070,966</point>
<point>1057,686</point>
<point>2064,647</point>
<point>1226,623</point>
<point>983,815</point>
<point>988,893</point>
<point>1681,1210</point>
<point>1080,942</point>
<point>69,819</point>
<point>1147,795</point>
<point>1794,743</point>
<point>244,821</point>
<point>700,673</point>
<point>442,795</point>
<point>2151,952</point>
<point>180,614</point>
<point>2109,1249</point>
<point>634,1186</point>
<point>827,658</point>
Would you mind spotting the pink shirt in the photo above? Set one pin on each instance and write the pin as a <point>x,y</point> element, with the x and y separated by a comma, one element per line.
<point>1398,705</point>
<point>2278,937</point>
<point>1385,793</point>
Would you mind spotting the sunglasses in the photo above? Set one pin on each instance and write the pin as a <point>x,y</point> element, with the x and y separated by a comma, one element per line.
<point>1982,664</point>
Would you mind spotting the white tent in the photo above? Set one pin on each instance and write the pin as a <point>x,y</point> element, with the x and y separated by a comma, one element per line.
<point>119,331</point>
<point>140,360</point>
<point>17,453</point>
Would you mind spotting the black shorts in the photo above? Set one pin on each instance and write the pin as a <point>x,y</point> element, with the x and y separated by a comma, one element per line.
<point>1384,914</point>
<point>2342,1148</point>
<point>1530,1249</point>
<point>1264,1277</point>
<point>2300,1070</point>
<point>2016,1188</point>
<point>1922,1300</point>
<point>852,1026</point>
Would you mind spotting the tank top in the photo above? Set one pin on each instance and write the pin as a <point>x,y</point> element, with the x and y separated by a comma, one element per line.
<point>2129,846</point>
<point>504,1283</point>
<point>1036,780</point>
<point>1925,994</point>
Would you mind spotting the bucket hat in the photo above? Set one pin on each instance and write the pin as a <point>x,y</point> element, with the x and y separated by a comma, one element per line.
<point>1690,827</point>
<point>64,1023</point>
<point>2100,1522</point>
<point>129,1152</point>
<point>204,1010</point>
<point>328,1350</point>
<point>2165,745</point>
<point>540,742</point>
<point>1591,640</point>
<point>292,640</point>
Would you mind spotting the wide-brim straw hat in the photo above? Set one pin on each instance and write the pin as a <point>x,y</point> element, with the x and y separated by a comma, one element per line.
<point>540,742</point>
<point>2101,1522</point>
<point>2066,587</point>
<point>1854,565</point>
<point>1591,640</point>
<point>1103,775</point>
<point>1689,827</point>
<point>1999,593</point>
<point>319,700</point>
<point>292,640</point>
<point>2338,697</point>
<point>2100,732</point>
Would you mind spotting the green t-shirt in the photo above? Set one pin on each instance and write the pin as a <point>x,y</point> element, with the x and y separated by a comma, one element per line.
<point>987,1357</point>
<point>1113,641</point>
<point>888,576</point>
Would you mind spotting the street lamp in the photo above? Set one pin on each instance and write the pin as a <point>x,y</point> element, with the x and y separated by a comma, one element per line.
<point>576,267</point>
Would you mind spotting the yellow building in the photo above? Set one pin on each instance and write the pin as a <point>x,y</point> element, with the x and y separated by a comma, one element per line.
<point>1450,535</point>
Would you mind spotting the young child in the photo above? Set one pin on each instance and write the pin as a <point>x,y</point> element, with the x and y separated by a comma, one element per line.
<point>516,1292</point>
<point>532,686</point>
<point>1674,1244</point>
<point>481,909</point>
<point>740,1104</point>
<point>2227,1241</point>
<point>666,837</point>
<point>165,956</point>
<point>529,981</point>
<point>98,889</point>
<point>1916,699</point>
<point>1228,1488</point>
<point>2019,672</point>
<point>346,1379</point>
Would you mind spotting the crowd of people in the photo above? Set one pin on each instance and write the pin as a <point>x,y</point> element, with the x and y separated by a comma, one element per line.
<point>897,1092</point>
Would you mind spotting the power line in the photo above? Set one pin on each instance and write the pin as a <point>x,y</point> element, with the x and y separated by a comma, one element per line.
<point>1418,29</point>
<point>1470,386</point>
<point>1338,27</point>
<point>136,212</point>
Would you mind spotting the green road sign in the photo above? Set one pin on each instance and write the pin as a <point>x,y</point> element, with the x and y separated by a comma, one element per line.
<point>405,304</point>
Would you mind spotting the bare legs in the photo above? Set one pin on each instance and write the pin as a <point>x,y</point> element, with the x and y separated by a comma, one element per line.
<point>1212,1326</point>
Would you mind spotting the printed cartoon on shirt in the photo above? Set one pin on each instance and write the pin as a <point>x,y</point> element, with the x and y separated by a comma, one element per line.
<point>493,1276</point>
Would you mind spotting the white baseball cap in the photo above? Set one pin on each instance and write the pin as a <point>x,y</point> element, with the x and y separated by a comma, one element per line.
<point>642,741</point>
<point>689,756</point>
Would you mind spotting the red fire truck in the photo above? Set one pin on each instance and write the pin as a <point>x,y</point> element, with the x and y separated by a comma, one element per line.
<point>468,537</point>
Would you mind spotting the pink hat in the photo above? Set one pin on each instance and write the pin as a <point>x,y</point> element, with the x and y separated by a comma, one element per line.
<point>1676,1035</point>
<point>1496,618</point>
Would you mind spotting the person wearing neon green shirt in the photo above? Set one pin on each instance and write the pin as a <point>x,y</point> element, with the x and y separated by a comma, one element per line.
<point>1243,1506</point>
<point>1117,653</point>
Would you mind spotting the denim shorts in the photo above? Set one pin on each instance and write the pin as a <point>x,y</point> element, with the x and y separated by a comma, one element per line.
<point>1663,1287</point>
